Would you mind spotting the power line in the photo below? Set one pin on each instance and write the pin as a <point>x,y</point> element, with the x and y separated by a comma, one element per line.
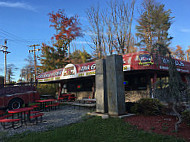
<point>16,38</point>
<point>12,35</point>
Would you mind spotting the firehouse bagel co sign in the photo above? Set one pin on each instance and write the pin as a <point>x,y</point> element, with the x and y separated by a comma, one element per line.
<point>70,71</point>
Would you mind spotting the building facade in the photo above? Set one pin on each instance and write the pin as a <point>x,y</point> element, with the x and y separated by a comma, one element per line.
<point>141,72</point>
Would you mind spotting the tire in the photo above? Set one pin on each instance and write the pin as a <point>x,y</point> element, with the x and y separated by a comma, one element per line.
<point>15,104</point>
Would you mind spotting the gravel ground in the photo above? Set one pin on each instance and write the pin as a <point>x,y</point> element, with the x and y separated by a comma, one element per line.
<point>55,118</point>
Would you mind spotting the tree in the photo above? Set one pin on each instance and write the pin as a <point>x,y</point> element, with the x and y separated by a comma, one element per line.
<point>78,57</point>
<point>67,30</point>
<point>27,72</point>
<point>188,53</point>
<point>179,53</point>
<point>119,23</point>
<point>153,25</point>
<point>10,72</point>
<point>110,29</point>
<point>47,58</point>
<point>96,31</point>
<point>175,83</point>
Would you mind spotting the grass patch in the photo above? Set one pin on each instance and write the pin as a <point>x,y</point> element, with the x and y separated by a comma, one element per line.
<point>93,130</point>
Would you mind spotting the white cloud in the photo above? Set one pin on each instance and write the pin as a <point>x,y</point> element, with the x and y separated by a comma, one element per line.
<point>17,5</point>
<point>185,30</point>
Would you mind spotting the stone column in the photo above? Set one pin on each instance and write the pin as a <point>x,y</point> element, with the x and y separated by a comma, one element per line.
<point>101,89</point>
<point>115,86</point>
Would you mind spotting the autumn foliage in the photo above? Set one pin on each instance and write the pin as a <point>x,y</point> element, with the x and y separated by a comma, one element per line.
<point>179,53</point>
<point>66,28</point>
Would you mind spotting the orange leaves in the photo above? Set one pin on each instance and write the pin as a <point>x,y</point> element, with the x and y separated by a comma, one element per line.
<point>188,50</point>
<point>66,27</point>
<point>179,53</point>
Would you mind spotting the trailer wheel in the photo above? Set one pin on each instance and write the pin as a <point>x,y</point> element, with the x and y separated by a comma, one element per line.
<point>15,104</point>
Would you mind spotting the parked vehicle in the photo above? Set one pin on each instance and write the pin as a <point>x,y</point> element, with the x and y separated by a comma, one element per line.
<point>16,96</point>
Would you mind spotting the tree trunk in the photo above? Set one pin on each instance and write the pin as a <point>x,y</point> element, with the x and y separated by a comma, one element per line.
<point>179,117</point>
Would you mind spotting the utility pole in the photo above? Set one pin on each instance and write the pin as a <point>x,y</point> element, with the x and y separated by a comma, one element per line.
<point>5,60</point>
<point>34,50</point>
<point>187,56</point>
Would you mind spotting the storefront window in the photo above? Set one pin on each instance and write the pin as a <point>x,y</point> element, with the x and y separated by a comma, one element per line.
<point>135,82</point>
<point>78,85</point>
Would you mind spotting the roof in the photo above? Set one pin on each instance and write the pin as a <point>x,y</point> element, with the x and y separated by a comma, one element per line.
<point>132,61</point>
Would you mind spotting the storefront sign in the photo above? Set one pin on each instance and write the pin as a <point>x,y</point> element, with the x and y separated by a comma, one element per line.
<point>177,62</point>
<point>50,74</point>
<point>69,71</point>
<point>145,59</point>
<point>89,73</point>
<point>126,67</point>
<point>87,68</point>
<point>178,69</point>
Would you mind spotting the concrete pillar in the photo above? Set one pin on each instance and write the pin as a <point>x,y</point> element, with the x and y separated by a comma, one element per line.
<point>115,86</point>
<point>101,89</point>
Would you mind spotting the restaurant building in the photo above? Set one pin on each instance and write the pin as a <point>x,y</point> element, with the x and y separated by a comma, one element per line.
<point>141,72</point>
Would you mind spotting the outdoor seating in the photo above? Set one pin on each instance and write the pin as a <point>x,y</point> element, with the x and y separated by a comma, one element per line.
<point>17,117</point>
<point>22,113</point>
<point>2,112</point>
<point>8,122</point>
<point>85,103</point>
<point>36,116</point>
<point>79,105</point>
<point>66,97</point>
<point>53,106</point>
<point>35,106</point>
<point>46,104</point>
<point>33,112</point>
<point>88,101</point>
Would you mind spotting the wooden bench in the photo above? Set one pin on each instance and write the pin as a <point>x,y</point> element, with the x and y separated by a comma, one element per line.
<point>36,116</point>
<point>4,120</point>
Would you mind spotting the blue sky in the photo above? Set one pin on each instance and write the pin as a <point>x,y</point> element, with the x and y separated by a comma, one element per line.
<point>26,22</point>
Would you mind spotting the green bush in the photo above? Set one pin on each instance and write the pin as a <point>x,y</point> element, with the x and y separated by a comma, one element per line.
<point>186,117</point>
<point>148,106</point>
<point>47,89</point>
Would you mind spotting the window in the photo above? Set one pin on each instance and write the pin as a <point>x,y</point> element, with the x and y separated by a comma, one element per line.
<point>82,84</point>
<point>136,82</point>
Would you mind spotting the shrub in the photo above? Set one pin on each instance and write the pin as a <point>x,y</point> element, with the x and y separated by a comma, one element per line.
<point>47,89</point>
<point>128,106</point>
<point>186,117</point>
<point>148,106</point>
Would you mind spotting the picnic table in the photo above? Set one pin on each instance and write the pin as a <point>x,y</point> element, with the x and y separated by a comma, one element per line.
<point>4,120</point>
<point>47,103</point>
<point>46,97</point>
<point>87,103</point>
<point>22,113</point>
<point>67,97</point>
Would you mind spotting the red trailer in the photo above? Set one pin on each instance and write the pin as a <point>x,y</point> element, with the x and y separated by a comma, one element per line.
<point>16,96</point>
